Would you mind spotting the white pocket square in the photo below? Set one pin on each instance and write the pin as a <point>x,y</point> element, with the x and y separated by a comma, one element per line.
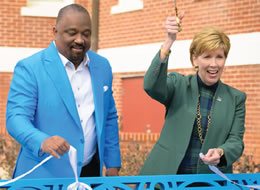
<point>105,88</point>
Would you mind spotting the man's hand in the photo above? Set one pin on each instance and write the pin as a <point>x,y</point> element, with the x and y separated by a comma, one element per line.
<point>213,156</point>
<point>55,146</point>
<point>112,171</point>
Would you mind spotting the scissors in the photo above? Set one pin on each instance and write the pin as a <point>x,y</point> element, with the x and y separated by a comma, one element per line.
<point>177,18</point>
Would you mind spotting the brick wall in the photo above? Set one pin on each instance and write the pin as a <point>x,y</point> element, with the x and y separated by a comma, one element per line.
<point>26,31</point>
<point>4,87</point>
<point>147,25</point>
<point>137,27</point>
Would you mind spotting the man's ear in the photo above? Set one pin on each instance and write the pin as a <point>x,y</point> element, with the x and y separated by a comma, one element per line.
<point>54,30</point>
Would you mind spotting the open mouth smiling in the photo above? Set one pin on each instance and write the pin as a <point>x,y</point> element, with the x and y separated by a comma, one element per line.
<point>77,49</point>
<point>212,72</point>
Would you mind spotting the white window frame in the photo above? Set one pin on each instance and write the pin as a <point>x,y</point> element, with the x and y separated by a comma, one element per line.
<point>44,8</point>
<point>127,6</point>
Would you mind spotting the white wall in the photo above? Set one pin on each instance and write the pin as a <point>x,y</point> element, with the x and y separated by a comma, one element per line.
<point>10,56</point>
<point>245,49</point>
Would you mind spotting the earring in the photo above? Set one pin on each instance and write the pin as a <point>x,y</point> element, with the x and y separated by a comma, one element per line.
<point>196,68</point>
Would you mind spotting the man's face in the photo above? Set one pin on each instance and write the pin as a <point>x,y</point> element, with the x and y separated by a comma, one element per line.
<point>72,35</point>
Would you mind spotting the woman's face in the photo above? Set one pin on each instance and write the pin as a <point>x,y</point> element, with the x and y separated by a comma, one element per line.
<point>210,65</point>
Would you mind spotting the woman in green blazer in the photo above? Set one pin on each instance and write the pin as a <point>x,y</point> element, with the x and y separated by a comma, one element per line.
<point>202,113</point>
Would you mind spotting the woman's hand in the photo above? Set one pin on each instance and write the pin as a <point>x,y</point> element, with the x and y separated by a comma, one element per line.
<point>171,26</point>
<point>172,29</point>
<point>213,156</point>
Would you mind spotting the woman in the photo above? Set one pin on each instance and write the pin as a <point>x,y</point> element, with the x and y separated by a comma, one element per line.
<point>202,113</point>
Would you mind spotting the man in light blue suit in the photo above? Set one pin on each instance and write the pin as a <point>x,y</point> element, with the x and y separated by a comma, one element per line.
<point>62,96</point>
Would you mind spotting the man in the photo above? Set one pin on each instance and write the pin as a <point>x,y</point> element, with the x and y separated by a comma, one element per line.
<point>62,96</point>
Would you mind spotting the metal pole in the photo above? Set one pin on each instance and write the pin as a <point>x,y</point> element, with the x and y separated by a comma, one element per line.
<point>95,21</point>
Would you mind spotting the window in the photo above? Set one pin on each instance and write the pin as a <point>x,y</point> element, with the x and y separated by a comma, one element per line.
<point>126,6</point>
<point>44,8</point>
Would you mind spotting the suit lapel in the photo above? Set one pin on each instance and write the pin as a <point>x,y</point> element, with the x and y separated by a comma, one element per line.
<point>221,106</point>
<point>58,75</point>
<point>220,116</point>
<point>194,91</point>
<point>98,90</point>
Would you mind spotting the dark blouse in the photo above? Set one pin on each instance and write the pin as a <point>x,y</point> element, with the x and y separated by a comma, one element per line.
<point>205,100</point>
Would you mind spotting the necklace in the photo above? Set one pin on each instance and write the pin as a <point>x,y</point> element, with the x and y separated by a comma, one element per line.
<point>199,117</point>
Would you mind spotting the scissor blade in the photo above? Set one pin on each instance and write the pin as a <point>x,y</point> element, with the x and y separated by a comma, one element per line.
<point>176,13</point>
<point>176,9</point>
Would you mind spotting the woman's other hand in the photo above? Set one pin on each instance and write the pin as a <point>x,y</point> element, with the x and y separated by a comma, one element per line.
<point>213,156</point>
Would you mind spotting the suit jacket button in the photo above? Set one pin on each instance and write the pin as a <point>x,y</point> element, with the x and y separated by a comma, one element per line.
<point>82,141</point>
<point>79,164</point>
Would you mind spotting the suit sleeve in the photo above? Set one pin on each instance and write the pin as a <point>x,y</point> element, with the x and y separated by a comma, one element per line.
<point>21,107</point>
<point>157,84</point>
<point>112,156</point>
<point>234,145</point>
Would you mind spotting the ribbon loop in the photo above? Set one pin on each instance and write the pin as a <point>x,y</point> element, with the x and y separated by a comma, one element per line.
<point>73,161</point>
<point>78,186</point>
<point>218,172</point>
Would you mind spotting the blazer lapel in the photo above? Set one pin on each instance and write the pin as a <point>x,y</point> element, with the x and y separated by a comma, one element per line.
<point>58,75</point>
<point>194,93</point>
<point>221,117</point>
<point>98,91</point>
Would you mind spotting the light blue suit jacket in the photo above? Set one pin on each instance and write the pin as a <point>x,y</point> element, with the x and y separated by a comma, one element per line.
<point>41,104</point>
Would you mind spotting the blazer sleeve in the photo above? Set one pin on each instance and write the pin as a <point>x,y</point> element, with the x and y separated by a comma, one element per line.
<point>21,106</point>
<point>234,145</point>
<point>157,84</point>
<point>112,157</point>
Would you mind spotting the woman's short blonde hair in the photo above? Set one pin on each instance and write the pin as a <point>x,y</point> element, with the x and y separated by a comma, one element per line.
<point>208,39</point>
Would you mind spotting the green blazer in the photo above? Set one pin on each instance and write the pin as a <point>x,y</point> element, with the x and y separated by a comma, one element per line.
<point>179,94</point>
